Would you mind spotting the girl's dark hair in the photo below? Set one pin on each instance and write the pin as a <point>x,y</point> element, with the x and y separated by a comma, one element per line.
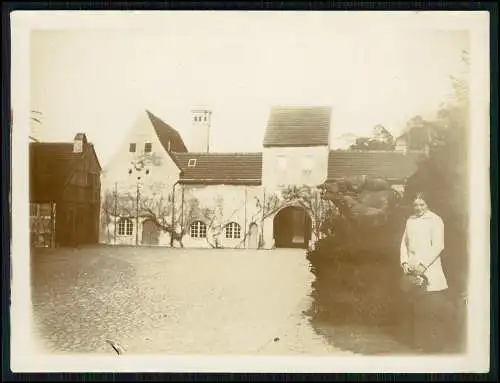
<point>419,195</point>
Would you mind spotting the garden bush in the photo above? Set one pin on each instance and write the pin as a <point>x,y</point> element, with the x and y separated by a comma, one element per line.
<point>357,281</point>
<point>355,285</point>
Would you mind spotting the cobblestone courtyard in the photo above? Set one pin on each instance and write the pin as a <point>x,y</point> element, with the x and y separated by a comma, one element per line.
<point>174,301</point>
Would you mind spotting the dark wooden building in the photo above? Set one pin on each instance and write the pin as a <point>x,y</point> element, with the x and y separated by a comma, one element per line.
<point>65,189</point>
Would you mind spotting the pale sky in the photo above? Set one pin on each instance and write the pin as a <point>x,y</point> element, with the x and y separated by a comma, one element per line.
<point>98,81</point>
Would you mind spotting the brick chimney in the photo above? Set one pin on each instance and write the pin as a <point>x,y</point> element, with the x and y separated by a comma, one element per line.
<point>79,142</point>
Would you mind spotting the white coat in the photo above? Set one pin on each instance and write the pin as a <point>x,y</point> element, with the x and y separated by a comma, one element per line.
<point>423,240</point>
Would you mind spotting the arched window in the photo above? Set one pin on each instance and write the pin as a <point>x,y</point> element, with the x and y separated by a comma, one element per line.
<point>198,230</point>
<point>125,226</point>
<point>233,230</point>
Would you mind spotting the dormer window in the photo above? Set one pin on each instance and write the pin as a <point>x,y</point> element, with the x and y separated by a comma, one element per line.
<point>132,148</point>
<point>192,163</point>
<point>148,147</point>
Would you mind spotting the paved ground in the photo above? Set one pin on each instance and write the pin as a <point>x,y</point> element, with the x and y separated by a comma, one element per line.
<point>176,301</point>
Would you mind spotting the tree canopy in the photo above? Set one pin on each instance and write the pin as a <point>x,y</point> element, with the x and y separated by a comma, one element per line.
<point>380,139</point>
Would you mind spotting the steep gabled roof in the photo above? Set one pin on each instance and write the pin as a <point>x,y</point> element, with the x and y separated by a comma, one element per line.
<point>220,168</point>
<point>382,164</point>
<point>298,126</point>
<point>94,154</point>
<point>167,134</point>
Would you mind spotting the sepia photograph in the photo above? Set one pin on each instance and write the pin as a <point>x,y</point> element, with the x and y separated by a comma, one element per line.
<point>286,190</point>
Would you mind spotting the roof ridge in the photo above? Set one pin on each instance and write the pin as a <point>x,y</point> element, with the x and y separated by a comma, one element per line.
<point>162,130</point>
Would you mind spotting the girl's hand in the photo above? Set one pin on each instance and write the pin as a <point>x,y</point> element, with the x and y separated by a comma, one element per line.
<point>406,268</point>
<point>419,269</point>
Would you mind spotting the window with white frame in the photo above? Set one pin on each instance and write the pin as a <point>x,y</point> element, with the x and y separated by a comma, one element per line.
<point>125,226</point>
<point>198,230</point>
<point>233,230</point>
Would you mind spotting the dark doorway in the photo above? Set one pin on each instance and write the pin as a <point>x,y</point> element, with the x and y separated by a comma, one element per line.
<point>292,228</point>
<point>150,233</point>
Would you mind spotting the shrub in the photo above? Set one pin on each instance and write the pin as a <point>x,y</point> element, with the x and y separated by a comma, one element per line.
<point>356,284</point>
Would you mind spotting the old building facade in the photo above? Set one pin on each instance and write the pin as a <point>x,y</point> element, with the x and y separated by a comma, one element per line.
<point>157,193</point>
<point>65,190</point>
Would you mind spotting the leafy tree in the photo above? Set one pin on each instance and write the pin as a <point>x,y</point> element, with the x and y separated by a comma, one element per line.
<point>442,176</point>
<point>381,134</point>
<point>417,133</point>
<point>366,206</point>
<point>380,139</point>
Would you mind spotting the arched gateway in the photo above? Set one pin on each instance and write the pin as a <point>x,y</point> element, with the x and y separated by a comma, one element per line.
<point>292,228</point>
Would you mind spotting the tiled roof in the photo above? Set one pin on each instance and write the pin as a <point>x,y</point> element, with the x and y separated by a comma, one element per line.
<point>389,165</point>
<point>50,166</point>
<point>221,168</point>
<point>166,133</point>
<point>298,126</point>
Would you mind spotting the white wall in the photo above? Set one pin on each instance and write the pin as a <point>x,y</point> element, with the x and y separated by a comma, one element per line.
<point>237,204</point>
<point>163,172</point>
<point>273,175</point>
<point>111,239</point>
<point>199,134</point>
